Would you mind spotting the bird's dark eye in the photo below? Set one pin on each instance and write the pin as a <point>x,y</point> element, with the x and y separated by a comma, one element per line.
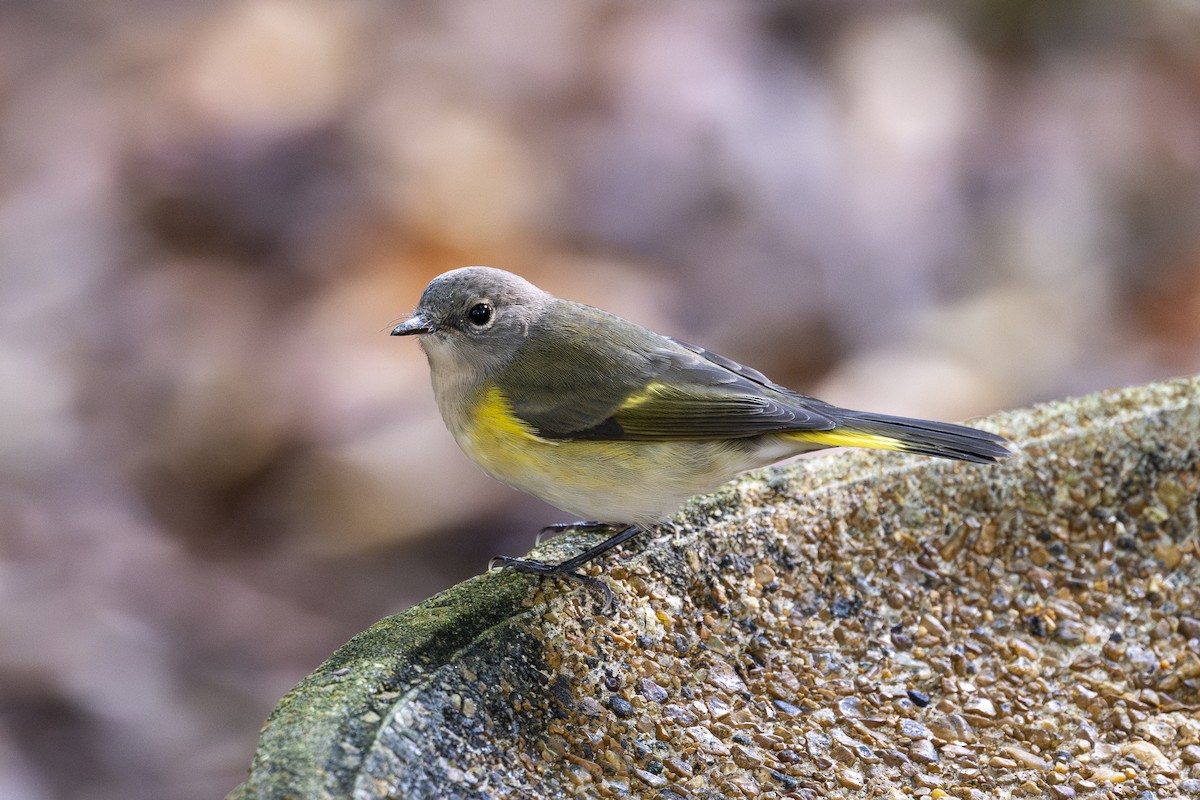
<point>480,314</point>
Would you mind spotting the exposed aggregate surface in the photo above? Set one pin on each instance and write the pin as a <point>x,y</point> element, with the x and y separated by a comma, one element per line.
<point>874,626</point>
<point>1044,642</point>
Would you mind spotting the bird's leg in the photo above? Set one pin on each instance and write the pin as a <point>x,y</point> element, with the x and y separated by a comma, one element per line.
<point>567,568</point>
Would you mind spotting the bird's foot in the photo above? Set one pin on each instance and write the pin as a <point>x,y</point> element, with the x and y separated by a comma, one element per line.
<point>567,569</point>
<point>532,566</point>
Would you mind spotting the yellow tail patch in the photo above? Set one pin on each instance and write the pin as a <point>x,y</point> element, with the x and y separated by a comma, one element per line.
<point>844,438</point>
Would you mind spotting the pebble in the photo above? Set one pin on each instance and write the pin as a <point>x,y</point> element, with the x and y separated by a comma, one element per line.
<point>723,676</point>
<point>707,742</point>
<point>981,705</point>
<point>1042,579</point>
<point>1022,649</point>
<point>932,626</point>
<point>678,766</point>
<point>1070,631</point>
<point>1026,759</point>
<point>1169,554</point>
<point>851,779</point>
<point>1108,775</point>
<point>785,708</point>
<point>764,574</point>
<point>818,743</point>
<point>1145,752</point>
<point>850,707</point>
<point>650,778</point>
<point>1158,731</point>
<point>746,785</point>
<point>952,727</point>
<point>620,706</point>
<point>923,751</point>
<point>652,691</point>
<point>745,757</point>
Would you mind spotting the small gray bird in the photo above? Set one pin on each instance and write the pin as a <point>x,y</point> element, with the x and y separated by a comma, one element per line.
<point>614,423</point>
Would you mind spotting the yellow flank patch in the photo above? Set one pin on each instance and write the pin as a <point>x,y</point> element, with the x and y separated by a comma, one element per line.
<point>843,438</point>
<point>494,417</point>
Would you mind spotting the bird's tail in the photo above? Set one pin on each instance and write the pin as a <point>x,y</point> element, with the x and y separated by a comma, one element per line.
<point>941,439</point>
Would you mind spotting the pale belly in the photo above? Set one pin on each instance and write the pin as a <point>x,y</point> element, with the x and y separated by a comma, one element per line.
<point>618,482</point>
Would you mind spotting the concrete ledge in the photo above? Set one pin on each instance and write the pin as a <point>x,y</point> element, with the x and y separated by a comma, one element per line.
<point>859,623</point>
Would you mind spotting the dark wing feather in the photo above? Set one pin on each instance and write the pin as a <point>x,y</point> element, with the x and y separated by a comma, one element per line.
<point>603,378</point>
<point>702,395</point>
<point>669,411</point>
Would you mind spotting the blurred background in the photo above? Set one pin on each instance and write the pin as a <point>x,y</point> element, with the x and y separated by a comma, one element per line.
<point>215,465</point>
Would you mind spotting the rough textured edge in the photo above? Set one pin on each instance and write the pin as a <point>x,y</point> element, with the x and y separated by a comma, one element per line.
<point>1057,420</point>
<point>314,742</point>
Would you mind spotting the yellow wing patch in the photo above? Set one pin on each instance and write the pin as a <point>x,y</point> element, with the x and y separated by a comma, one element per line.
<point>651,391</point>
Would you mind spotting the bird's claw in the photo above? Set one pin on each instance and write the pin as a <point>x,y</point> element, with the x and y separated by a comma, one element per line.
<point>534,567</point>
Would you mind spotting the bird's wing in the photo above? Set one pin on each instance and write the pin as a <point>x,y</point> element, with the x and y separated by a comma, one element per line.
<point>631,384</point>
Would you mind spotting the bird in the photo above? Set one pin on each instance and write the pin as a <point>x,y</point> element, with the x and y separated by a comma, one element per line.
<point>616,424</point>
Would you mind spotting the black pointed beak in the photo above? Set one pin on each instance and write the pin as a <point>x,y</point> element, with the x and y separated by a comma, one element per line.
<point>416,324</point>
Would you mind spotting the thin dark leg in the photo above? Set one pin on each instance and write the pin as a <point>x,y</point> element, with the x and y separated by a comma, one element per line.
<point>567,568</point>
